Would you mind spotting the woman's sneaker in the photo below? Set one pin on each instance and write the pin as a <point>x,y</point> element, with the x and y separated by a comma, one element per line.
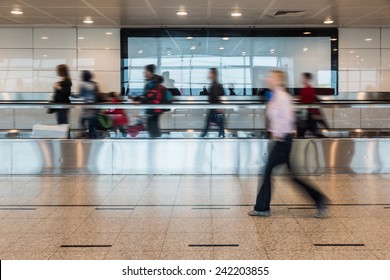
<point>255,213</point>
<point>322,212</point>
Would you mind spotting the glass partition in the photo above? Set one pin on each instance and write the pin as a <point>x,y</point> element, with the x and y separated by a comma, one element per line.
<point>243,58</point>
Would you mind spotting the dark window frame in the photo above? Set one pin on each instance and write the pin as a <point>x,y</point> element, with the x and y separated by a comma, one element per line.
<point>231,32</point>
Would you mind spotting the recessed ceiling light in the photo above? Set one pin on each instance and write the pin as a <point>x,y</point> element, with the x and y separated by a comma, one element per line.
<point>368,39</point>
<point>225,38</point>
<point>328,20</point>
<point>140,51</point>
<point>44,37</point>
<point>108,33</point>
<point>182,13</point>
<point>333,39</point>
<point>243,53</point>
<point>236,14</point>
<point>192,48</point>
<point>351,51</point>
<point>88,20</point>
<point>305,49</point>
<point>335,50</point>
<point>221,48</point>
<point>16,12</point>
<point>357,56</point>
<point>272,50</point>
<point>306,33</point>
<point>81,38</point>
<point>107,48</point>
<point>189,38</point>
<point>45,55</point>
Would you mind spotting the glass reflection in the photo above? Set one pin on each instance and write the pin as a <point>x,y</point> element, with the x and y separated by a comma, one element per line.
<point>243,62</point>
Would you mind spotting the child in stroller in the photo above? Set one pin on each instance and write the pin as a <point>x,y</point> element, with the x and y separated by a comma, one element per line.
<point>116,119</point>
<point>113,119</point>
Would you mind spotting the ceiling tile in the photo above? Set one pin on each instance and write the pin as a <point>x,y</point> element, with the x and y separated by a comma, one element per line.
<point>237,5</point>
<point>178,4</point>
<point>301,4</point>
<point>53,3</point>
<point>351,13</point>
<point>126,12</point>
<point>117,3</point>
<point>27,12</point>
<point>167,13</point>
<point>97,21</point>
<point>10,3</point>
<point>139,21</point>
<point>71,12</point>
<point>362,3</point>
<point>246,13</point>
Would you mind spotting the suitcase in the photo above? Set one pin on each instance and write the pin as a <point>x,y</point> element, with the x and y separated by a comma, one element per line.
<point>60,131</point>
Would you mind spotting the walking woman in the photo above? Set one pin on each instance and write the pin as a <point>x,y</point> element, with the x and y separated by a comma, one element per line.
<point>280,113</point>
<point>62,91</point>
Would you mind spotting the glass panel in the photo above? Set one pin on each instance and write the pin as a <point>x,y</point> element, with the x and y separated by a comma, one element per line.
<point>243,62</point>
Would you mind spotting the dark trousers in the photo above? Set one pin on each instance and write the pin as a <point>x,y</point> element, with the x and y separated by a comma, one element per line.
<point>216,117</point>
<point>280,154</point>
<point>62,116</point>
<point>90,123</point>
<point>153,125</point>
<point>311,124</point>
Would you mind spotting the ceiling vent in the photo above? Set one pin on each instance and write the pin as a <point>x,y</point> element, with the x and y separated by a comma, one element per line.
<point>289,13</point>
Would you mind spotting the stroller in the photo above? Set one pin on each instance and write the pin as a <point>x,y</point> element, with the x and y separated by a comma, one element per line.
<point>112,120</point>
<point>115,119</point>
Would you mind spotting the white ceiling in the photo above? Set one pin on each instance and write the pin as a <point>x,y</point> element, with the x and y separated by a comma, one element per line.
<point>259,13</point>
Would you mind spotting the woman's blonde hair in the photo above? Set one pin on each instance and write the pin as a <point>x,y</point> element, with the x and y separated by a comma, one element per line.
<point>281,76</point>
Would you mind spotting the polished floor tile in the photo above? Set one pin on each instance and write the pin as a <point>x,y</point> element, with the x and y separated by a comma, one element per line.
<point>186,255</point>
<point>238,254</point>
<point>188,241</point>
<point>138,241</point>
<point>79,255</point>
<point>133,255</point>
<point>310,254</point>
<point>190,217</point>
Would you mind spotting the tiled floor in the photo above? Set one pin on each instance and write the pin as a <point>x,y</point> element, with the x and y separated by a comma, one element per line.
<point>170,217</point>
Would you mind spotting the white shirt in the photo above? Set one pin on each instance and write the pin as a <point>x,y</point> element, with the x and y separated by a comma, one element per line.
<point>280,113</point>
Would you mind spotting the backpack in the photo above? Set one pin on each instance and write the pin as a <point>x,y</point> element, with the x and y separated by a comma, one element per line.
<point>166,96</point>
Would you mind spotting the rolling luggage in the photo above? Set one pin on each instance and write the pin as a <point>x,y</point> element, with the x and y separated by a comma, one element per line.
<point>60,131</point>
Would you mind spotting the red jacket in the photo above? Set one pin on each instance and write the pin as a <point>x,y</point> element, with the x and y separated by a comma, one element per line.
<point>308,96</point>
<point>119,116</point>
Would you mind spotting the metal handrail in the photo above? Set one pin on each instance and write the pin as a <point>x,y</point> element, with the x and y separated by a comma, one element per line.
<point>175,106</point>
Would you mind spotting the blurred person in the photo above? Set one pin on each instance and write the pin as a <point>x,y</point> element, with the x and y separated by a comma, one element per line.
<point>231,90</point>
<point>281,118</point>
<point>62,92</point>
<point>152,94</point>
<point>215,115</point>
<point>204,91</point>
<point>88,91</point>
<point>169,84</point>
<point>265,93</point>
<point>314,115</point>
